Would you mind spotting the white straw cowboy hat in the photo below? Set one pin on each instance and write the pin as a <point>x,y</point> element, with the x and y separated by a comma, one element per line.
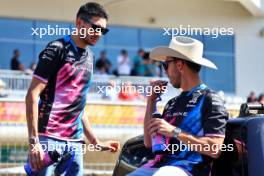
<point>185,48</point>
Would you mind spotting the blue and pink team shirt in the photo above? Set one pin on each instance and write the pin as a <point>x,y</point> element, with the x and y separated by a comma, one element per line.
<point>199,112</point>
<point>67,72</point>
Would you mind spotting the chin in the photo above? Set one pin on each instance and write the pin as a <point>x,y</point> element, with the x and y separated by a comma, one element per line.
<point>90,43</point>
<point>175,85</point>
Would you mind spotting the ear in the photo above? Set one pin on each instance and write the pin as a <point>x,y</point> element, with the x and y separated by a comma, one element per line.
<point>78,22</point>
<point>180,65</point>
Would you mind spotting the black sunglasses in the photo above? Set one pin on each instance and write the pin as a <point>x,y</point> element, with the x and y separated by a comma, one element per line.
<point>165,64</point>
<point>95,27</point>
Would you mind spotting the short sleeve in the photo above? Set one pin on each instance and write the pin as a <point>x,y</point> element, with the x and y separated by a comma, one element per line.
<point>215,116</point>
<point>48,61</point>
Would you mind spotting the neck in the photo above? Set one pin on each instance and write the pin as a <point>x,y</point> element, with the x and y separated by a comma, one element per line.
<point>78,42</point>
<point>190,82</point>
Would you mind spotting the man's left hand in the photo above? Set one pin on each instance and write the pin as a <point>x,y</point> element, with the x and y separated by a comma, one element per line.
<point>160,126</point>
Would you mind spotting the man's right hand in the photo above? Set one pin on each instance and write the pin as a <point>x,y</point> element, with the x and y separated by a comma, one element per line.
<point>36,156</point>
<point>158,87</point>
<point>112,146</point>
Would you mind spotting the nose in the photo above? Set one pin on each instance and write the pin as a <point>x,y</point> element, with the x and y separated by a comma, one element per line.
<point>166,72</point>
<point>95,37</point>
<point>99,34</point>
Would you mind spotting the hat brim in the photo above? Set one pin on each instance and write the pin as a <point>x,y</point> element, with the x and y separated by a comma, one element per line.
<point>161,53</point>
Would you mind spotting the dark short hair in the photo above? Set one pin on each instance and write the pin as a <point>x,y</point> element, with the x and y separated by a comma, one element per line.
<point>140,50</point>
<point>193,66</point>
<point>15,51</point>
<point>146,56</point>
<point>260,97</point>
<point>123,51</point>
<point>92,9</point>
<point>103,52</point>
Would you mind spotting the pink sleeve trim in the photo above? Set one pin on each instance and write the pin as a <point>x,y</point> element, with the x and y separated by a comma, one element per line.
<point>215,135</point>
<point>239,142</point>
<point>40,78</point>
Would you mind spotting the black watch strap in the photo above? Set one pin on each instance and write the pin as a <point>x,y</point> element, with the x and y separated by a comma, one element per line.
<point>33,140</point>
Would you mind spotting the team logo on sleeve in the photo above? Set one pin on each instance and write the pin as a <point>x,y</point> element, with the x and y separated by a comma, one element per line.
<point>70,57</point>
<point>195,97</point>
<point>193,101</point>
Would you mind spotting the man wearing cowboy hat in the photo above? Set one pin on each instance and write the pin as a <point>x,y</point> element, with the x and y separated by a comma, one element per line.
<point>196,118</point>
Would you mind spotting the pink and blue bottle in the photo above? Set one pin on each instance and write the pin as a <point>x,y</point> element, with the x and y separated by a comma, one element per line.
<point>49,158</point>
<point>158,141</point>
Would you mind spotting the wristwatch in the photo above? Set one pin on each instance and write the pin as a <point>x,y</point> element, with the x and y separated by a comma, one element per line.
<point>176,132</point>
<point>33,140</point>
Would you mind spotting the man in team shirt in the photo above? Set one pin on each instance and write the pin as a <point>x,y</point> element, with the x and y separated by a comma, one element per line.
<point>196,118</point>
<point>61,81</point>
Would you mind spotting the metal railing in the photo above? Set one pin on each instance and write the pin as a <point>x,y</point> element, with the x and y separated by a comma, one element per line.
<point>17,83</point>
